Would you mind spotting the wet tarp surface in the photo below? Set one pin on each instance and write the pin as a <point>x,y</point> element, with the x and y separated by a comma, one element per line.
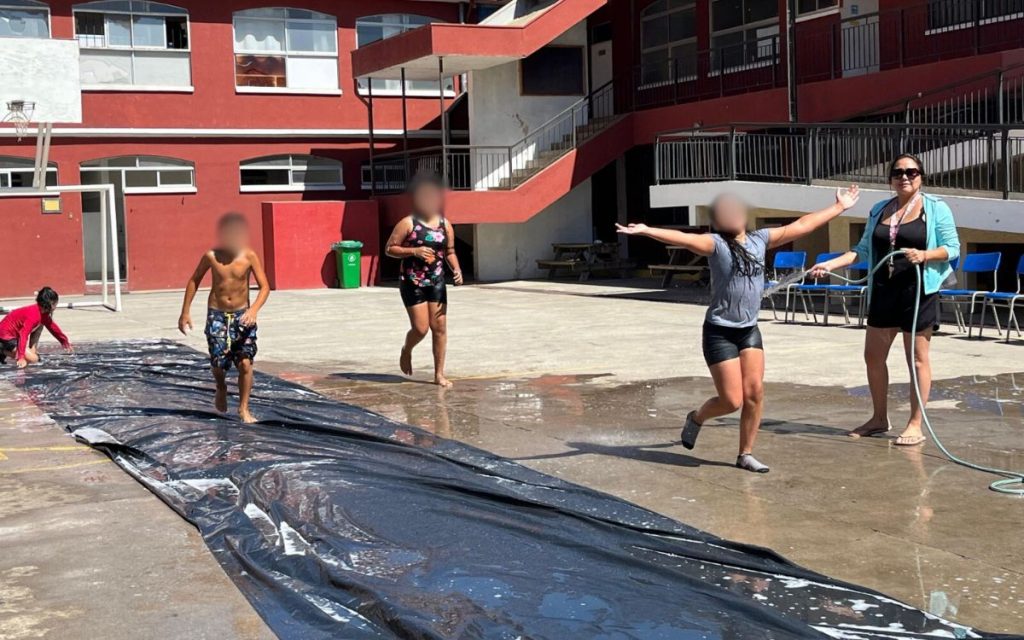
<point>334,527</point>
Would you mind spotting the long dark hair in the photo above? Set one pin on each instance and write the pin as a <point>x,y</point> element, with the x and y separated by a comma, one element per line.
<point>744,263</point>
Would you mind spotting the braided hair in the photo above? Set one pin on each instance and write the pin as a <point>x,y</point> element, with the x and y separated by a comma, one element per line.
<point>744,263</point>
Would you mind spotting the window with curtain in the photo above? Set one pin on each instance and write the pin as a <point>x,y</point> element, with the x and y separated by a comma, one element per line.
<point>282,49</point>
<point>668,41</point>
<point>370,29</point>
<point>147,174</point>
<point>745,33</point>
<point>133,44</point>
<point>18,173</point>
<point>292,173</point>
<point>24,19</point>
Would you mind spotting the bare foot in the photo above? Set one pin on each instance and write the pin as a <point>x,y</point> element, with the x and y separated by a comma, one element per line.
<point>911,436</point>
<point>405,361</point>
<point>442,381</point>
<point>870,428</point>
<point>220,400</point>
<point>245,416</point>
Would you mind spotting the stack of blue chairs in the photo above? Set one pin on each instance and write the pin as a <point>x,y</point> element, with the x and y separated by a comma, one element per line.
<point>973,263</point>
<point>1004,299</point>
<point>843,292</point>
<point>785,263</point>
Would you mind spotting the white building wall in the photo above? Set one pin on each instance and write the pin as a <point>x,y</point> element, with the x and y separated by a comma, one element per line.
<point>498,115</point>
<point>511,251</point>
<point>983,214</point>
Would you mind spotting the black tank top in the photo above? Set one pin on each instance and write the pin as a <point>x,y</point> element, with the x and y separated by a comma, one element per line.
<point>911,235</point>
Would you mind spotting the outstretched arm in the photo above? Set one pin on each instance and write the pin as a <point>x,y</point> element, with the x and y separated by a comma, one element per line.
<point>56,332</point>
<point>845,198</point>
<point>185,319</point>
<point>699,243</point>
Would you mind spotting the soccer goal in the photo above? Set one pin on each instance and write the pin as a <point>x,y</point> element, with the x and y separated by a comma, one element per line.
<point>42,87</point>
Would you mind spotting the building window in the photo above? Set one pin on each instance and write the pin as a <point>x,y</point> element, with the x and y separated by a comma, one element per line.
<point>668,41</point>
<point>292,173</point>
<point>133,44</point>
<point>18,173</point>
<point>282,50</point>
<point>956,14</point>
<point>388,176</point>
<point>554,71</point>
<point>810,6</point>
<point>745,33</point>
<point>370,29</point>
<point>24,19</point>
<point>147,174</point>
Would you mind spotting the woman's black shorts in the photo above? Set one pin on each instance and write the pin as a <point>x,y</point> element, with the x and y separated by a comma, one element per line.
<point>413,295</point>
<point>893,308</point>
<point>725,343</point>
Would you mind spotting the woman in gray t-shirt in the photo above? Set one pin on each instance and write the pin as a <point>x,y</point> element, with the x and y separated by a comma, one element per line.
<point>733,349</point>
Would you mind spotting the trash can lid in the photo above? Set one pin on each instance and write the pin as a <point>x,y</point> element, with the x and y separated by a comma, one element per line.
<point>348,244</point>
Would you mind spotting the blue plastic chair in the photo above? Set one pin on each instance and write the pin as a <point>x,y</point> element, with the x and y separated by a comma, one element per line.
<point>1005,299</point>
<point>806,292</point>
<point>973,263</point>
<point>846,291</point>
<point>785,263</point>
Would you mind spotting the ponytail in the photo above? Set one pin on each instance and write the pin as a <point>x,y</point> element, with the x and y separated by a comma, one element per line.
<point>744,263</point>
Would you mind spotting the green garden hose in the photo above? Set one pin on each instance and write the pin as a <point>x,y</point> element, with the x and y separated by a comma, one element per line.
<point>1013,481</point>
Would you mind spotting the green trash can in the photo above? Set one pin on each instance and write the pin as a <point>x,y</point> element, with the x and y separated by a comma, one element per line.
<point>349,255</point>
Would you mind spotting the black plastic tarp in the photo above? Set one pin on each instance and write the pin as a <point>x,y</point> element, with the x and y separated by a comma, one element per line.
<point>334,527</point>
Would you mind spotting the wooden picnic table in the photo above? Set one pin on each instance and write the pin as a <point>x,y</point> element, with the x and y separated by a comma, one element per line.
<point>584,258</point>
<point>683,262</point>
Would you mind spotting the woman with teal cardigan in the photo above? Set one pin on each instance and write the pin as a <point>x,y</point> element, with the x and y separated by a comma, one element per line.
<point>923,227</point>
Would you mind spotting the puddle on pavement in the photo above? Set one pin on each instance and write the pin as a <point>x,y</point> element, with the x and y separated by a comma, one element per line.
<point>623,439</point>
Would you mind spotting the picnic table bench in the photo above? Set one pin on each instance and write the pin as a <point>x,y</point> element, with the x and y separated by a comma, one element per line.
<point>584,258</point>
<point>684,263</point>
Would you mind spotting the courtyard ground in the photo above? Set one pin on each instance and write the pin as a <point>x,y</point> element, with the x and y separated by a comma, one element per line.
<point>586,382</point>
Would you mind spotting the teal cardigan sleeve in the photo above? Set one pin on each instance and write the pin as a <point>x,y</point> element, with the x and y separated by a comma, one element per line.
<point>945,230</point>
<point>863,248</point>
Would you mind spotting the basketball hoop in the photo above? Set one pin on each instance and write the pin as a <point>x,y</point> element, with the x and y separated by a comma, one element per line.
<point>19,113</point>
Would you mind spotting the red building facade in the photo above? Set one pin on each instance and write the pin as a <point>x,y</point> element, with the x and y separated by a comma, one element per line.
<point>196,108</point>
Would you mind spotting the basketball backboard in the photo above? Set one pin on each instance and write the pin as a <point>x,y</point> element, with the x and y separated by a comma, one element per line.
<point>45,72</point>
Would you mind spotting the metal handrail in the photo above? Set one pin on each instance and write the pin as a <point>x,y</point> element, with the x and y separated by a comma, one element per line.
<point>978,158</point>
<point>995,73</point>
<point>516,162</point>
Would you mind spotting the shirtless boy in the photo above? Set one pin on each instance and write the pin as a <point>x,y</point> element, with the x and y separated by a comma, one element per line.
<point>230,319</point>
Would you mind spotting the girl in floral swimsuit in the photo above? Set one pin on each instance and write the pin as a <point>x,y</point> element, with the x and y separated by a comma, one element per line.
<point>424,241</point>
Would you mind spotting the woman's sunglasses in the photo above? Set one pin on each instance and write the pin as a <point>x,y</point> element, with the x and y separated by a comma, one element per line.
<point>911,174</point>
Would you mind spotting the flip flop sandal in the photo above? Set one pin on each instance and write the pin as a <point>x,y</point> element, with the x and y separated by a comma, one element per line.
<point>868,434</point>
<point>909,440</point>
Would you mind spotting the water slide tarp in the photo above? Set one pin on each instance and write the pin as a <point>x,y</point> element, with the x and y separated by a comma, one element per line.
<point>333,527</point>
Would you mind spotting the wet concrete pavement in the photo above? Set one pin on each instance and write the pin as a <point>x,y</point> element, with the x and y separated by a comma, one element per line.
<point>905,522</point>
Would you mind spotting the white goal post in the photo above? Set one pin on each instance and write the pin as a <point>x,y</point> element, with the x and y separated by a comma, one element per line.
<point>42,86</point>
<point>108,224</point>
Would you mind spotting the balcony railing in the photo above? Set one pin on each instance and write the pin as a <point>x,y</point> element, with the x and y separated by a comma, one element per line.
<point>982,159</point>
<point>489,167</point>
<point>829,48</point>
